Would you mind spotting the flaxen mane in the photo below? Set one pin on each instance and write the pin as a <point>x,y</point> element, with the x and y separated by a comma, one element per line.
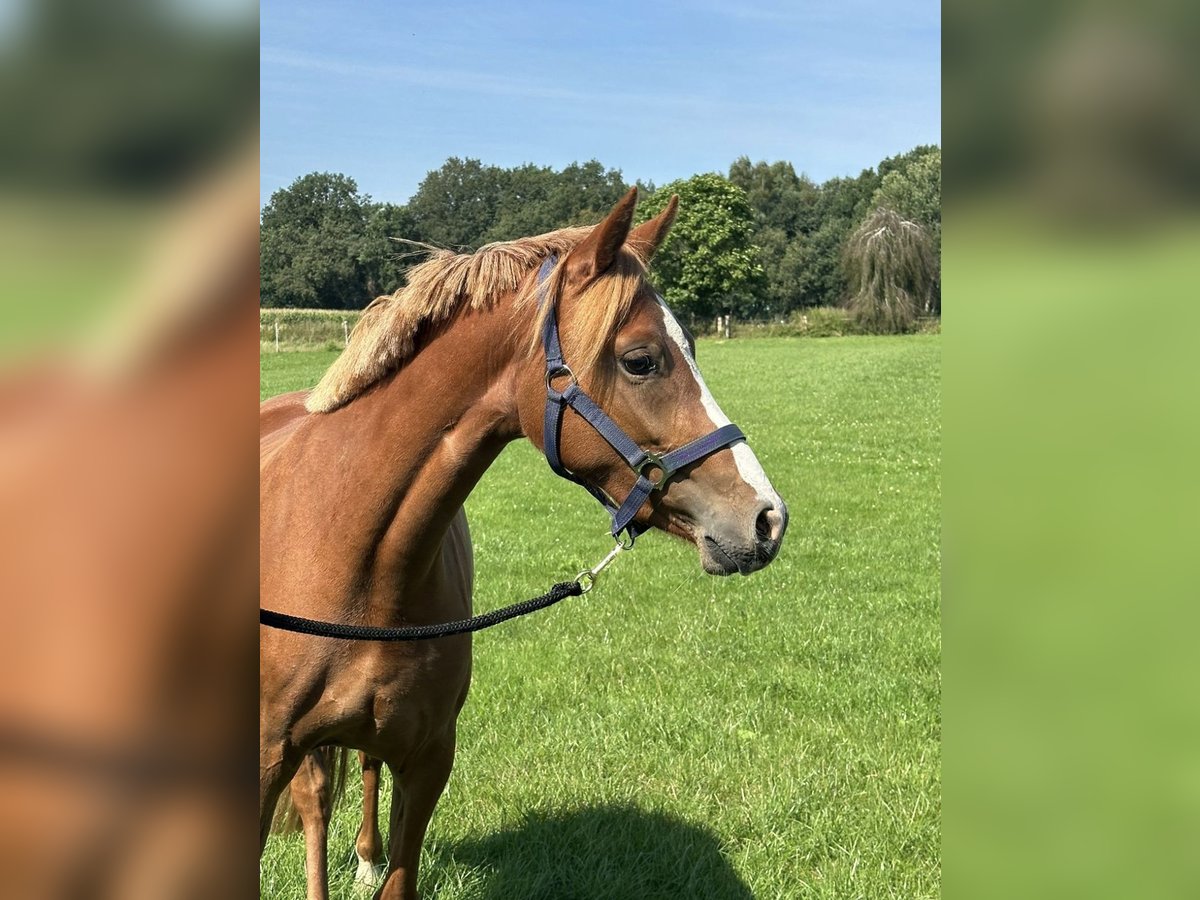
<point>386,334</point>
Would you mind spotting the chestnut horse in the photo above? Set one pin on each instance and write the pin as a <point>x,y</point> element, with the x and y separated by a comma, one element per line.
<point>363,482</point>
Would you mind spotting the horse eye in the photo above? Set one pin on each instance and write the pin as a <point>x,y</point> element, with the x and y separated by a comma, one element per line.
<point>639,365</point>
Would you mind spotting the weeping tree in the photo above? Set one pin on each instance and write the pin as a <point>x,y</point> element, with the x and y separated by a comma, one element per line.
<point>891,269</point>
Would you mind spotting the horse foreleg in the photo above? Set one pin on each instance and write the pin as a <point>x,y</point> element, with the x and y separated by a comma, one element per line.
<point>312,796</point>
<point>369,844</point>
<point>414,795</point>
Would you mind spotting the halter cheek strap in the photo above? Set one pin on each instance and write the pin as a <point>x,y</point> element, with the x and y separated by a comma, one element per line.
<point>653,471</point>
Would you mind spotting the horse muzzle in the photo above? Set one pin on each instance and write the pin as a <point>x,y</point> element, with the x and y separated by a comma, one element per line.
<point>724,551</point>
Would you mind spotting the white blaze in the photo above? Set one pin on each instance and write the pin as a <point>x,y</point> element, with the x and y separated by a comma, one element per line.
<point>747,463</point>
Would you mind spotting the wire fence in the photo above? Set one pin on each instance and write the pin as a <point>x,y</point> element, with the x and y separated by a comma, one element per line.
<point>329,329</point>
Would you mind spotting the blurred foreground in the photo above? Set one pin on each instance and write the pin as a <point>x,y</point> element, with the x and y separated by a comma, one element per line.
<point>128,558</point>
<point>1072,253</point>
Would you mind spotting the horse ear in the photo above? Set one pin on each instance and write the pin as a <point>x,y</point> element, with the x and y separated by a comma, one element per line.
<point>648,237</point>
<point>594,254</point>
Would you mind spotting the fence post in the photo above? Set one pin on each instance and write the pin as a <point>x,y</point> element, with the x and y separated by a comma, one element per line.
<point>276,335</point>
<point>345,333</point>
<point>727,324</point>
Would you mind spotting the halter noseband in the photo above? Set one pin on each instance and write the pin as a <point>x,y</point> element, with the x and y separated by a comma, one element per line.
<point>642,462</point>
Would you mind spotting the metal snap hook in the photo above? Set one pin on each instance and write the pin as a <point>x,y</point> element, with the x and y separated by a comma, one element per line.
<point>587,578</point>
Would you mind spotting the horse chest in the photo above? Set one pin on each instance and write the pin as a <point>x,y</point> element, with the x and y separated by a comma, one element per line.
<point>409,694</point>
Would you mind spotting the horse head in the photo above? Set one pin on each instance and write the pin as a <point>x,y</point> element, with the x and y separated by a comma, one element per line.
<point>628,354</point>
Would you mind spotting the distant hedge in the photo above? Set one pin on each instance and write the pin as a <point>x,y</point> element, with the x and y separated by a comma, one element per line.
<point>814,321</point>
<point>306,328</point>
<point>323,329</point>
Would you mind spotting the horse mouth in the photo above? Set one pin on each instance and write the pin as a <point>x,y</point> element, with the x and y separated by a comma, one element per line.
<point>717,560</point>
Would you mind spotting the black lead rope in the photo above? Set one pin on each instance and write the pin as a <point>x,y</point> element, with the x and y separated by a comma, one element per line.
<point>284,622</point>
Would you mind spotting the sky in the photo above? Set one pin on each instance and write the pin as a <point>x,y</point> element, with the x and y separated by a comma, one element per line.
<point>385,92</point>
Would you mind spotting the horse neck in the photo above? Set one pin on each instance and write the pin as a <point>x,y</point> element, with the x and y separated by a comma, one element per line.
<point>425,436</point>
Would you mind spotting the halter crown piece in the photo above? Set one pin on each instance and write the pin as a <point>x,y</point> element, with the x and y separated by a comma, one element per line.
<point>653,471</point>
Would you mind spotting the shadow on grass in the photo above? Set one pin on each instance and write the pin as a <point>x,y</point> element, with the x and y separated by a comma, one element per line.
<point>605,853</point>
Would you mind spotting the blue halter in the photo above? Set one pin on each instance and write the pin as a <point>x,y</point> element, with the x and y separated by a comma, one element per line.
<point>644,463</point>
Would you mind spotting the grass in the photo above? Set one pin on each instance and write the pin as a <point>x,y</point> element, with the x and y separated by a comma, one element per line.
<point>675,735</point>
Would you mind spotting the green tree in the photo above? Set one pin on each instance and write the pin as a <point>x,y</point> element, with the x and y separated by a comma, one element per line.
<point>780,198</point>
<point>786,208</point>
<point>536,199</point>
<point>465,204</point>
<point>384,255</point>
<point>311,235</point>
<point>457,204</point>
<point>522,207</point>
<point>890,268</point>
<point>841,204</point>
<point>847,200</point>
<point>583,194</point>
<point>708,263</point>
<point>903,160</point>
<point>821,278</point>
<point>915,192</point>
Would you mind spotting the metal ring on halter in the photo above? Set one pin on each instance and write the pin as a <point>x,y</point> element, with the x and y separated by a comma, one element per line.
<point>557,372</point>
<point>654,461</point>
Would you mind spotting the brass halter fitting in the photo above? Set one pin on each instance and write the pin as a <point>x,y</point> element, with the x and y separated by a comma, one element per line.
<point>587,578</point>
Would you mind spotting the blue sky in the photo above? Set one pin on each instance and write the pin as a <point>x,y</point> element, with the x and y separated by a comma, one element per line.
<point>386,91</point>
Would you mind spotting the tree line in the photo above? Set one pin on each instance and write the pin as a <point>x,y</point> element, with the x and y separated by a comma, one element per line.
<point>759,242</point>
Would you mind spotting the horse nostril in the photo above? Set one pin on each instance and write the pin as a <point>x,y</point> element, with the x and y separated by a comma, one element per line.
<point>762,526</point>
<point>769,525</point>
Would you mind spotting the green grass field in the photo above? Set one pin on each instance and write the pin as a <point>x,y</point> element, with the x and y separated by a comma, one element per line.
<point>674,735</point>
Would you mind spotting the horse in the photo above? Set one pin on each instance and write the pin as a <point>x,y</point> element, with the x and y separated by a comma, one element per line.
<point>362,483</point>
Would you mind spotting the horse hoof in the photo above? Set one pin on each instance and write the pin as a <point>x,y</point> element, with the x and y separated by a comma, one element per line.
<point>369,874</point>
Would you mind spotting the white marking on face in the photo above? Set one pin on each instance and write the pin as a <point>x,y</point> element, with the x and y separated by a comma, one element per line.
<point>747,463</point>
